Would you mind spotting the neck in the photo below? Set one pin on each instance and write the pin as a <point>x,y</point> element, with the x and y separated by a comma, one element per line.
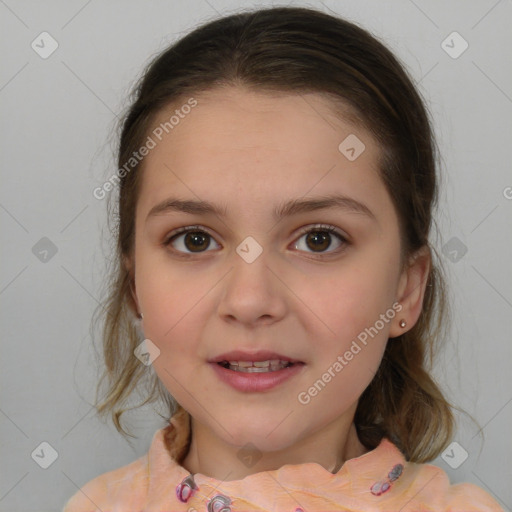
<point>212,457</point>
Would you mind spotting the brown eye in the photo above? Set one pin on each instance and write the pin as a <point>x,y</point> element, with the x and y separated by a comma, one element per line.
<point>319,239</point>
<point>190,241</point>
<point>196,241</point>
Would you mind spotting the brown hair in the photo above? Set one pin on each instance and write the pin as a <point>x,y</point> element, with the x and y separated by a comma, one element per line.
<point>300,50</point>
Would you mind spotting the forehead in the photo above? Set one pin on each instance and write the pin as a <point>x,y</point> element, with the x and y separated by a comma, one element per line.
<point>241,118</point>
<point>241,147</point>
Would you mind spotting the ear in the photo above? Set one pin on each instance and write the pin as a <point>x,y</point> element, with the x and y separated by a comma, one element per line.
<point>134,303</point>
<point>411,290</point>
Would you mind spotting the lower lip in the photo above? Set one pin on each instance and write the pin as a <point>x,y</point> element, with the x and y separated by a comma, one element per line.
<point>254,382</point>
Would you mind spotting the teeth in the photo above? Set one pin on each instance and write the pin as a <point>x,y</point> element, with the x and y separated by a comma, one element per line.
<point>265,364</point>
<point>258,366</point>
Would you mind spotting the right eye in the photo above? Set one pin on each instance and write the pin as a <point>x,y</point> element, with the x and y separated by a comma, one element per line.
<point>190,238</point>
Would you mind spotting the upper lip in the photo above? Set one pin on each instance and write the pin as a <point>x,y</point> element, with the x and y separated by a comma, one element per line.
<point>261,355</point>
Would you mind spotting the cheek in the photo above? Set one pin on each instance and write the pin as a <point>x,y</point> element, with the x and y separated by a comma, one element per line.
<point>351,336</point>
<point>171,302</point>
<point>175,314</point>
<point>347,299</point>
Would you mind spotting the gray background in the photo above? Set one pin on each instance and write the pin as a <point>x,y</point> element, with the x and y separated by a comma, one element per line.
<point>57,118</point>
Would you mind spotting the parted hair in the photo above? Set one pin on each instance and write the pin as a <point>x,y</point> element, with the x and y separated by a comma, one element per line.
<point>297,50</point>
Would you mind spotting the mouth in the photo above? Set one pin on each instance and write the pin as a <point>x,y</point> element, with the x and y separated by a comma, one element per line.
<point>269,366</point>
<point>246,377</point>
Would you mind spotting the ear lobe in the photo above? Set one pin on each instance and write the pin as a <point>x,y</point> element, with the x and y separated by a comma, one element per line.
<point>411,291</point>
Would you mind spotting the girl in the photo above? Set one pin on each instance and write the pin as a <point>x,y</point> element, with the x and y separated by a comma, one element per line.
<point>277,176</point>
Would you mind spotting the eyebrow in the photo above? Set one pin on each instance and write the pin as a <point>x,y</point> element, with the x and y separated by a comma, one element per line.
<point>289,208</point>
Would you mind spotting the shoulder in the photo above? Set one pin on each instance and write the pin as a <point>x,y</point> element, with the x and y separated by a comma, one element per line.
<point>386,481</point>
<point>430,486</point>
<point>123,486</point>
<point>127,488</point>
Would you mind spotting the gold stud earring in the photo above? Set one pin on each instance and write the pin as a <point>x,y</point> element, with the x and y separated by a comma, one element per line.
<point>402,323</point>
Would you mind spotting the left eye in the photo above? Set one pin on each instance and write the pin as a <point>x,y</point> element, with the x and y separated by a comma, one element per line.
<point>196,240</point>
<point>319,237</point>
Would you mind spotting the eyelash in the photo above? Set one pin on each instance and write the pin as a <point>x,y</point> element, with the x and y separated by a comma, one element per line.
<point>315,228</point>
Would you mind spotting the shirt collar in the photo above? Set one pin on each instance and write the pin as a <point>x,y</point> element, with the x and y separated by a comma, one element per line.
<point>372,471</point>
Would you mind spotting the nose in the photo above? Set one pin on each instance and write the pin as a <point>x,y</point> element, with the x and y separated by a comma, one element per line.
<point>252,293</point>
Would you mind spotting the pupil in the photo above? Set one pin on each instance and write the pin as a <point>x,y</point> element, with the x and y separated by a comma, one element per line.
<point>195,239</point>
<point>315,237</point>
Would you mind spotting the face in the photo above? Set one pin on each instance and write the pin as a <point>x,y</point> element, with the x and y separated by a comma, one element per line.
<point>307,295</point>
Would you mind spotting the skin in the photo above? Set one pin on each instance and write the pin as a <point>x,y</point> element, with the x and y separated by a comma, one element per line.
<point>250,152</point>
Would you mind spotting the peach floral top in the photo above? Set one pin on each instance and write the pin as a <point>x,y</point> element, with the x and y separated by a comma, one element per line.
<point>380,480</point>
